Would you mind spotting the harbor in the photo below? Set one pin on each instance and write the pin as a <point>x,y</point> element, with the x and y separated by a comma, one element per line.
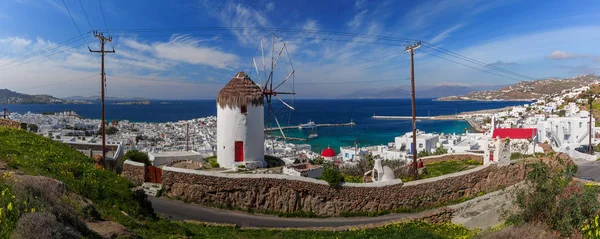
<point>317,125</point>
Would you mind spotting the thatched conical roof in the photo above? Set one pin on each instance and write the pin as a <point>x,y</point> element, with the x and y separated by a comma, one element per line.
<point>240,90</point>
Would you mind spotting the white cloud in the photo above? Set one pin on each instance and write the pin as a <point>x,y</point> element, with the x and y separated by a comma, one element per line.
<point>186,49</point>
<point>561,55</point>
<point>358,4</point>
<point>444,34</point>
<point>238,15</point>
<point>270,6</point>
<point>13,44</point>
<point>136,45</point>
<point>358,19</point>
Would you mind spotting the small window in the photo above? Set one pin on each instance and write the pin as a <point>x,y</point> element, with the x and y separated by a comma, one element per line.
<point>580,125</point>
<point>420,145</point>
<point>244,109</point>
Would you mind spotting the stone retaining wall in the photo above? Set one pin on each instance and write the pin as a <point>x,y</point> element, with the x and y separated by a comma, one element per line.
<point>134,171</point>
<point>452,157</point>
<point>10,123</point>
<point>288,194</point>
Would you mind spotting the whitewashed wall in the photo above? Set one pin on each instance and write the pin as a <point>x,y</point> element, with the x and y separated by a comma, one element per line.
<point>233,126</point>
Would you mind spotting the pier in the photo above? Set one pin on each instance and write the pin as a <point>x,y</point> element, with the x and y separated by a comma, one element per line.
<point>441,117</point>
<point>286,138</point>
<point>474,124</point>
<point>318,126</point>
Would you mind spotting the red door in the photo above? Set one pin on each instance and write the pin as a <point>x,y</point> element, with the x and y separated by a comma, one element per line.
<point>239,151</point>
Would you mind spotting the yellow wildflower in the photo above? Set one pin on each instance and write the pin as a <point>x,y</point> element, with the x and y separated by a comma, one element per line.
<point>9,206</point>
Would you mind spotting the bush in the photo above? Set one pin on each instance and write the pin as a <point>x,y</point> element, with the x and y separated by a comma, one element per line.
<point>555,200</point>
<point>137,156</point>
<point>332,176</point>
<point>352,179</point>
<point>32,128</point>
<point>212,162</point>
<point>273,161</point>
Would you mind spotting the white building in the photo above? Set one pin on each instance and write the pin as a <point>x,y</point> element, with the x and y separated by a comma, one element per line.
<point>240,123</point>
<point>559,131</point>
<point>425,142</point>
<point>165,157</point>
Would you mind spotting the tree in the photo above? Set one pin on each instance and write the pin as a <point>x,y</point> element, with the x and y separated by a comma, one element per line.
<point>137,156</point>
<point>109,131</point>
<point>32,128</point>
<point>333,177</point>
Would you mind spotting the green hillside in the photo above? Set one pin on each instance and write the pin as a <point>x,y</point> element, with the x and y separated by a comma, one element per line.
<point>113,198</point>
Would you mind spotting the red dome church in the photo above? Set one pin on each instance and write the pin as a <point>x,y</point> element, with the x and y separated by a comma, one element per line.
<point>328,154</point>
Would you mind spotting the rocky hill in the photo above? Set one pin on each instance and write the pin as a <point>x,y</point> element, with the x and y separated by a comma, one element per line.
<point>527,90</point>
<point>11,97</point>
<point>400,93</point>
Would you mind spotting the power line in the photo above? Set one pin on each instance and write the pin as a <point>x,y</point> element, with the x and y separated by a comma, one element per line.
<point>44,56</point>
<point>471,66</point>
<point>72,19</point>
<point>451,53</point>
<point>59,83</point>
<point>349,82</point>
<point>25,57</point>
<point>86,16</point>
<point>104,19</point>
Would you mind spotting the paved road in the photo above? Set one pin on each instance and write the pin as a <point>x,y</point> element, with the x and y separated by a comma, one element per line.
<point>588,169</point>
<point>182,211</point>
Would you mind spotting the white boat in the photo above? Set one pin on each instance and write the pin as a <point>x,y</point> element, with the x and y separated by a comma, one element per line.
<point>309,125</point>
<point>312,136</point>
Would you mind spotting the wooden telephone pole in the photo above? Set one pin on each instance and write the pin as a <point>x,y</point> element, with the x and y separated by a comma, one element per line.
<point>187,137</point>
<point>591,98</point>
<point>411,50</point>
<point>102,52</point>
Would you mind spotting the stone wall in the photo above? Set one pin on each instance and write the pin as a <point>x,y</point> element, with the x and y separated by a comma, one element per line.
<point>288,194</point>
<point>10,123</point>
<point>134,171</point>
<point>452,157</point>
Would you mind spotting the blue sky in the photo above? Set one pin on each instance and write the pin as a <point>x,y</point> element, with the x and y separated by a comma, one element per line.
<point>175,58</point>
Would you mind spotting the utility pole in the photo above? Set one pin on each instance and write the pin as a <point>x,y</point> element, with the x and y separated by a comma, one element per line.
<point>591,99</point>
<point>5,113</point>
<point>411,50</point>
<point>102,53</point>
<point>187,137</point>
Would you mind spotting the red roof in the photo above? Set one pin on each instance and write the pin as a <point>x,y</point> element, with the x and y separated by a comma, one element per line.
<point>328,152</point>
<point>515,133</point>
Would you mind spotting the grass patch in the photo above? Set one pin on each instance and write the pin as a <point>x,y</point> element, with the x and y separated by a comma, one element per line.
<point>443,168</point>
<point>115,201</point>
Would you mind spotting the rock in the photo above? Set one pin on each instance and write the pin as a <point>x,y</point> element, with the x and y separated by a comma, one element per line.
<point>108,229</point>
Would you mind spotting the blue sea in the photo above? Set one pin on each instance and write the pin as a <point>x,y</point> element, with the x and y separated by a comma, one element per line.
<point>367,131</point>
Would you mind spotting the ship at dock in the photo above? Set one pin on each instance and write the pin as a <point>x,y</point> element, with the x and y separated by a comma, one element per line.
<point>309,125</point>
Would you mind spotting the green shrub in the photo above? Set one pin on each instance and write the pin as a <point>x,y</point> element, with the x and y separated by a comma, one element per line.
<point>332,176</point>
<point>352,179</point>
<point>137,156</point>
<point>518,155</point>
<point>212,162</point>
<point>273,161</point>
<point>555,200</point>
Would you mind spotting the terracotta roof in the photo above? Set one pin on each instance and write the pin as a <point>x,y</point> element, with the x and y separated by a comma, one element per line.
<point>515,133</point>
<point>240,90</point>
<point>328,152</point>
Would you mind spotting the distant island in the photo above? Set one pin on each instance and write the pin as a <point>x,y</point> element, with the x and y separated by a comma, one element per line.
<point>133,103</point>
<point>11,97</point>
<point>526,90</point>
<point>423,92</point>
